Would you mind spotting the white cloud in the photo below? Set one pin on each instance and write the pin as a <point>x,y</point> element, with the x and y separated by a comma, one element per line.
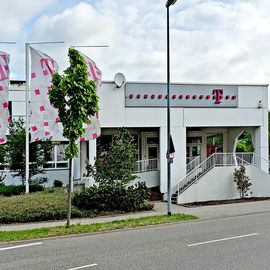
<point>211,41</point>
<point>15,14</point>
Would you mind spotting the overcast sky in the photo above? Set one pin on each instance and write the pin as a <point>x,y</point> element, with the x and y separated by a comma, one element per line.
<point>211,41</point>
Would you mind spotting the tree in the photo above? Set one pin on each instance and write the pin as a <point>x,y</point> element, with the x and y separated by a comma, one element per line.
<point>244,143</point>
<point>242,181</point>
<point>75,98</point>
<point>38,152</point>
<point>117,163</point>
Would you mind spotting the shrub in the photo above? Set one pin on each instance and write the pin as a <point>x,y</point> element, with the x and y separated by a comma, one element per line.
<point>37,207</point>
<point>39,180</point>
<point>242,181</point>
<point>57,183</point>
<point>20,189</point>
<point>110,198</point>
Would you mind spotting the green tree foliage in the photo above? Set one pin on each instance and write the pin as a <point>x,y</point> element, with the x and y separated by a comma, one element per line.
<point>242,181</point>
<point>117,163</point>
<point>75,98</point>
<point>244,143</point>
<point>15,152</point>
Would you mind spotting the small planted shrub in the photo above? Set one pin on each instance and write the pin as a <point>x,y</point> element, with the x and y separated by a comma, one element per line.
<point>113,198</point>
<point>57,183</point>
<point>242,181</point>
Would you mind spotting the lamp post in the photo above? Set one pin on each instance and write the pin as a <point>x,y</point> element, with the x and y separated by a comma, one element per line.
<point>169,159</point>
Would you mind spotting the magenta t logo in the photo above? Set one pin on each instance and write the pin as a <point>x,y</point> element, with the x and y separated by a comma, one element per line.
<point>217,95</point>
<point>48,66</point>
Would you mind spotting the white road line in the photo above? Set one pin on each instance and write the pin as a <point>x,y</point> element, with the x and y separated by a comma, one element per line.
<point>21,246</point>
<point>81,267</point>
<point>222,239</point>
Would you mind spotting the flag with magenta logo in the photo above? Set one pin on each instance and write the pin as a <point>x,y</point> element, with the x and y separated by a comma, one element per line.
<point>44,120</point>
<point>4,96</point>
<point>93,130</point>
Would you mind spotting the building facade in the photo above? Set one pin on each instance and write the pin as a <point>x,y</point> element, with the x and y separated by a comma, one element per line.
<point>206,122</point>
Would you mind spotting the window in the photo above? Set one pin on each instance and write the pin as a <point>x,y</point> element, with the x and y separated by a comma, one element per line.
<point>57,157</point>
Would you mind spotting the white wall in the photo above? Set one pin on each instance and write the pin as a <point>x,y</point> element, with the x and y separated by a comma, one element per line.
<point>218,184</point>
<point>151,179</point>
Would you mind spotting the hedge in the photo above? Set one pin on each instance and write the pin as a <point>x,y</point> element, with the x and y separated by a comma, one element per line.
<point>20,189</point>
<point>37,207</point>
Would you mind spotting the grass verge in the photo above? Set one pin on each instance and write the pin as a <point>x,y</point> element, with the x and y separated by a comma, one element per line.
<point>92,228</point>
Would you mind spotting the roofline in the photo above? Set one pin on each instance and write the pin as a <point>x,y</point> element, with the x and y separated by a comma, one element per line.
<point>173,83</point>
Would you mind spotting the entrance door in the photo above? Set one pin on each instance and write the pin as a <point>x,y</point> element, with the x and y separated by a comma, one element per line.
<point>152,157</point>
<point>150,150</point>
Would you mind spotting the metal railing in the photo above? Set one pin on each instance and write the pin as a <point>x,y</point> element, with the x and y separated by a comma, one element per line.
<point>192,163</point>
<point>215,160</point>
<point>146,165</point>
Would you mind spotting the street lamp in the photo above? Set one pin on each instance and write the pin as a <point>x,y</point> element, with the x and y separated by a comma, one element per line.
<point>169,159</point>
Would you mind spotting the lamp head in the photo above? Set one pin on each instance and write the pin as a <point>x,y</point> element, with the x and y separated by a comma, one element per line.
<point>170,2</point>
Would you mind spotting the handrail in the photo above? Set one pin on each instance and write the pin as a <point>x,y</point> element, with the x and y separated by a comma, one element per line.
<point>146,165</point>
<point>215,160</point>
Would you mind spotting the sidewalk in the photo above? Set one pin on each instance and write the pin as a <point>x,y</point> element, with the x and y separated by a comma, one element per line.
<point>203,212</point>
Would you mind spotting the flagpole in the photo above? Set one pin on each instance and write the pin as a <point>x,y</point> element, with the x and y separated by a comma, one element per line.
<point>27,118</point>
<point>27,174</point>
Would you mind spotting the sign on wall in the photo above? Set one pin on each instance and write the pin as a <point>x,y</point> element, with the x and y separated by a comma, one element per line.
<point>196,95</point>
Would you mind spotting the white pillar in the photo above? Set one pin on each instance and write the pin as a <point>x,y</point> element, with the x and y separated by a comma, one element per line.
<point>261,147</point>
<point>83,159</point>
<point>92,154</point>
<point>179,162</point>
<point>163,159</point>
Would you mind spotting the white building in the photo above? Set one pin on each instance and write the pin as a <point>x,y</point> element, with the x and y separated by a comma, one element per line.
<point>206,121</point>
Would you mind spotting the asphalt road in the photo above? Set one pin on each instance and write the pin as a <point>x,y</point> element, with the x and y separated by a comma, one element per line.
<point>228,243</point>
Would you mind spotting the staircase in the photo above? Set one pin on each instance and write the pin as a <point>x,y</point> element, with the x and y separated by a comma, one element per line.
<point>215,160</point>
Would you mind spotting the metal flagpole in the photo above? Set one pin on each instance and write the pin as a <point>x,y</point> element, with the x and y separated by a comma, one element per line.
<point>27,109</point>
<point>26,118</point>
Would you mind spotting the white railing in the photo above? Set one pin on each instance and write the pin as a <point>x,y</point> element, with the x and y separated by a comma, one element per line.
<point>215,160</point>
<point>192,163</point>
<point>146,165</point>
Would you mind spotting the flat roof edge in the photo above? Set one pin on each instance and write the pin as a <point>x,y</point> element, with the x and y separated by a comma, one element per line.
<point>173,83</point>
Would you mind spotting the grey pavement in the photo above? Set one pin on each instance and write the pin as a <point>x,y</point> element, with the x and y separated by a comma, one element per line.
<point>203,212</point>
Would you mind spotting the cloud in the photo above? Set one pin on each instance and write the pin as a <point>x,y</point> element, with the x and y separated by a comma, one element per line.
<point>211,40</point>
<point>14,15</point>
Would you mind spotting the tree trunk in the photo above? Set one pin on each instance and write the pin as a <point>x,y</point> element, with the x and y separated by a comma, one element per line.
<point>69,192</point>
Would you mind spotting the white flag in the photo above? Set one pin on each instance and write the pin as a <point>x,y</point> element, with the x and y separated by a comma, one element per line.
<point>93,130</point>
<point>4,96</point>
<point>44,120</point>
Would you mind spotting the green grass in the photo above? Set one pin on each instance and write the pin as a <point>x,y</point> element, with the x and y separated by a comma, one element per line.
<point>92,228</point>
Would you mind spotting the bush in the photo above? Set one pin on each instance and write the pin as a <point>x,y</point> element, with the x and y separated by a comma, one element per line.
<point>57,183</point>
<point>37,207</point>
<point>39,180</point>
<point>110,198</point>
<point>20,189</point>
<point>242,181</point>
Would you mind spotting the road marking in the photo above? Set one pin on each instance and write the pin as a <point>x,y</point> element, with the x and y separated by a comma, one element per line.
<point>81,267</point>
<point>21,246</point>
<point>223,239</point>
